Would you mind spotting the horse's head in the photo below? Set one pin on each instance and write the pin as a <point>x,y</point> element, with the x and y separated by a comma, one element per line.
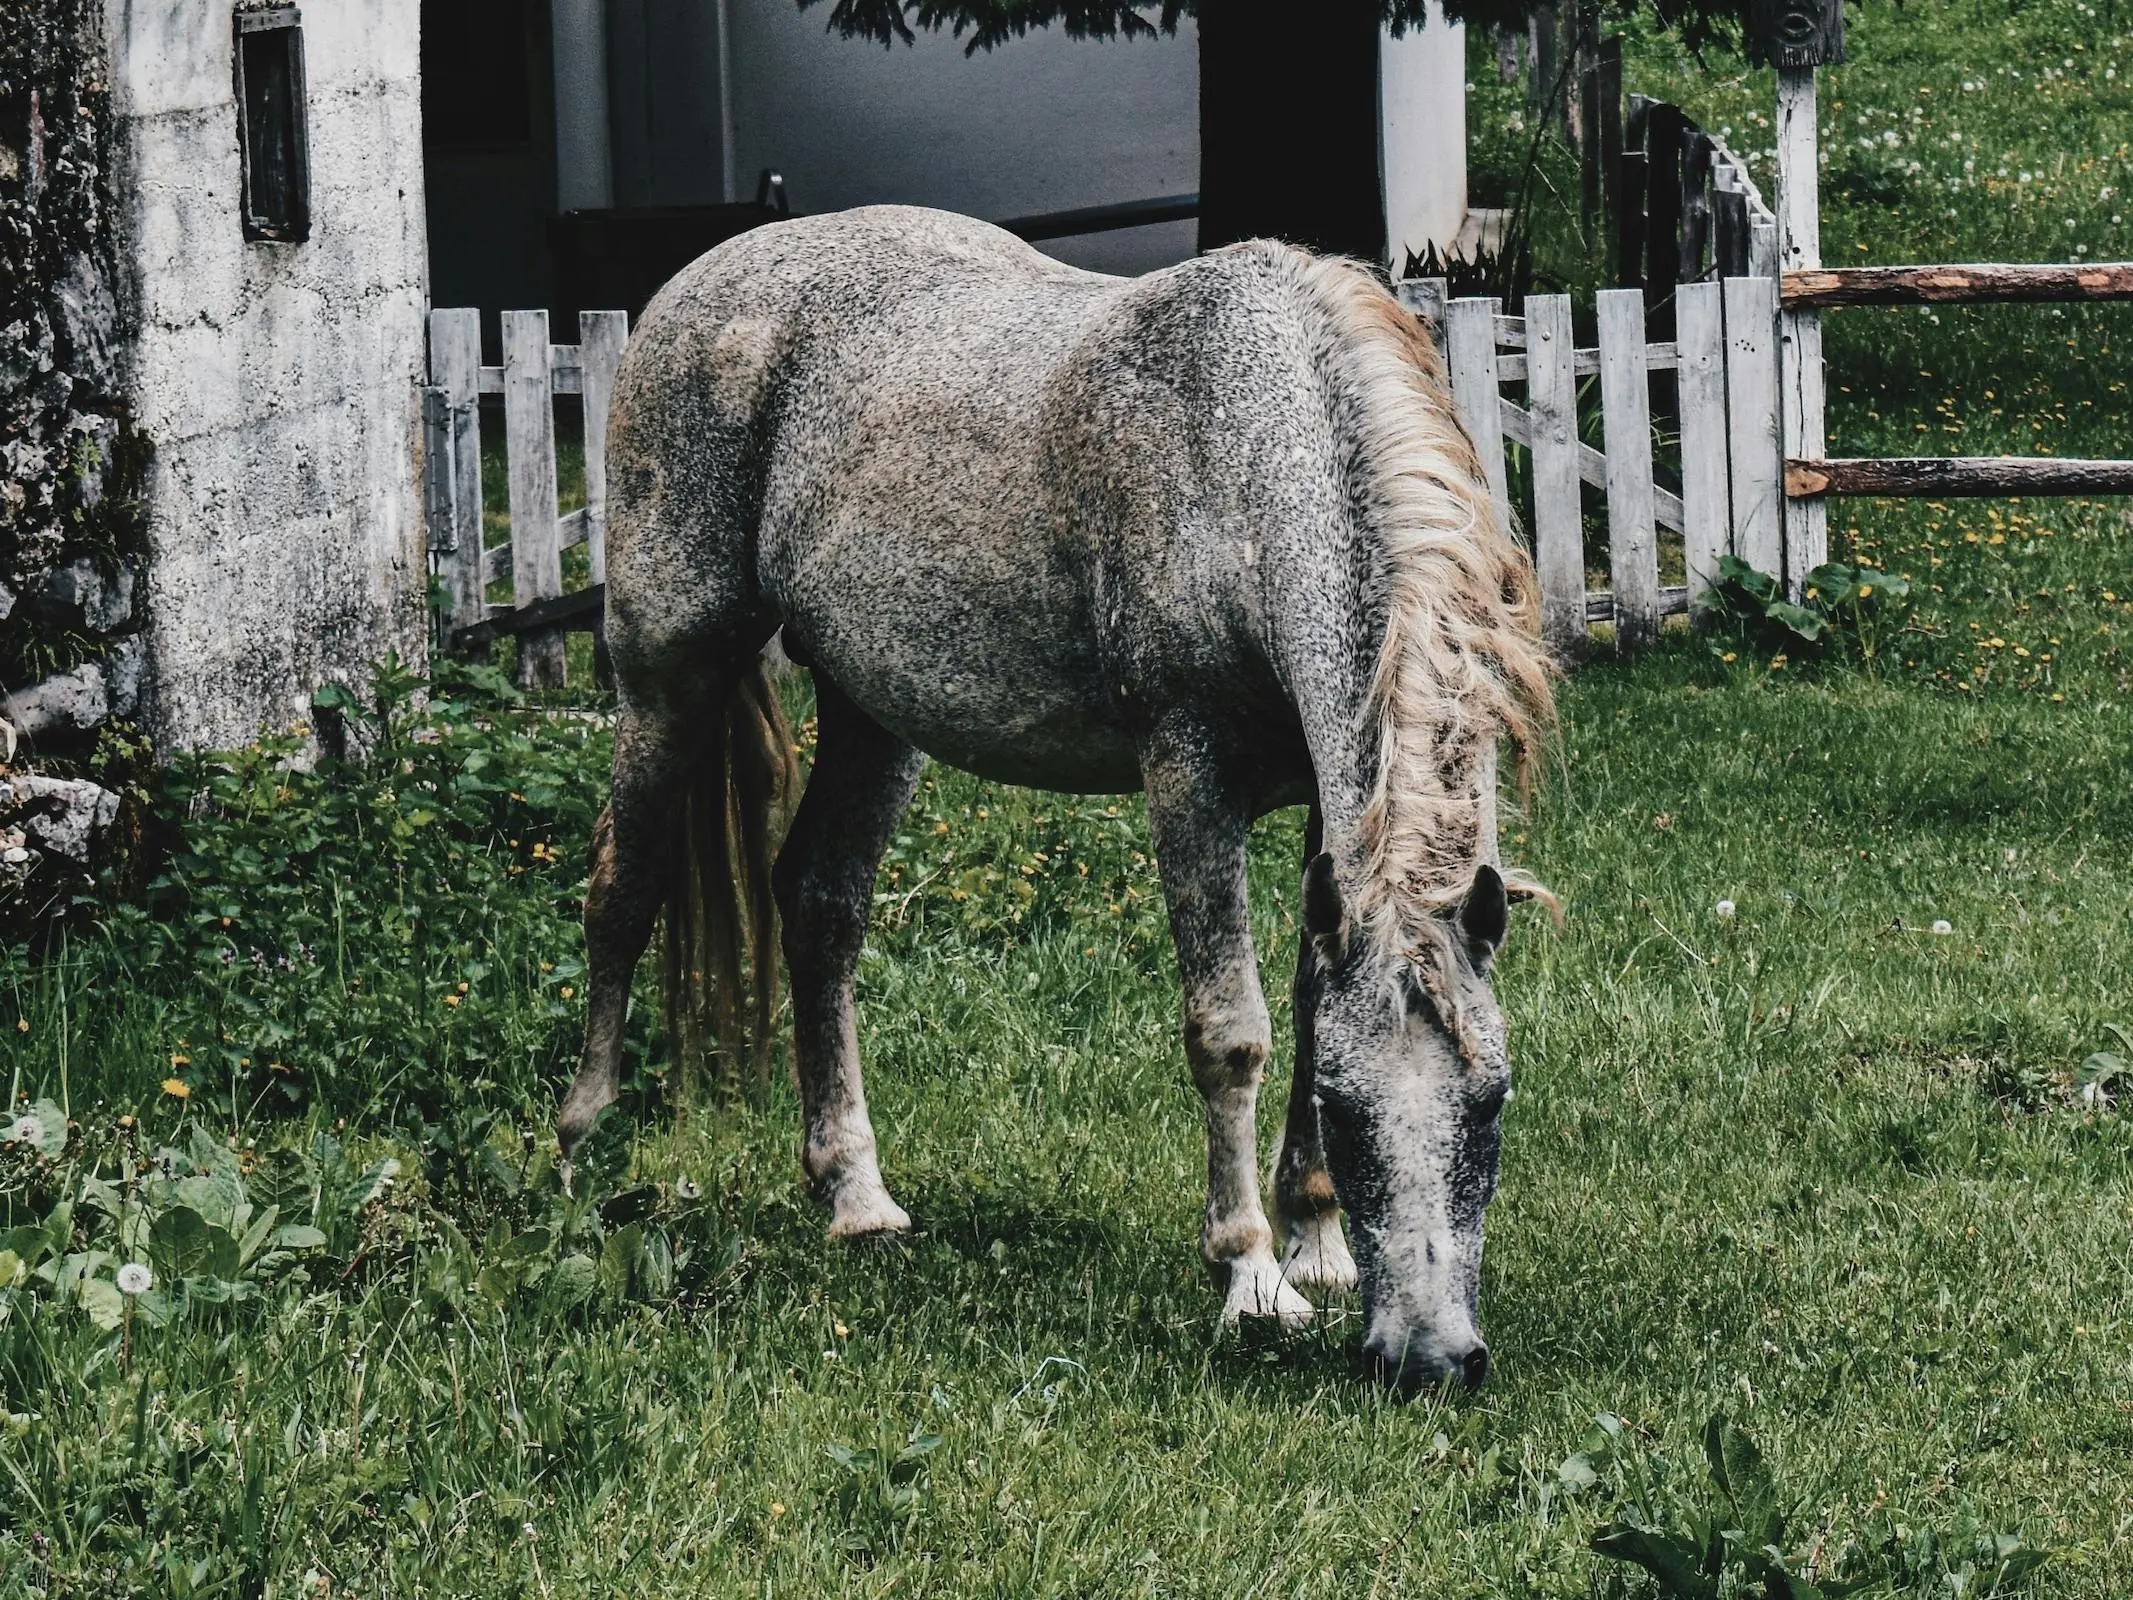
<point>1412,1076</point>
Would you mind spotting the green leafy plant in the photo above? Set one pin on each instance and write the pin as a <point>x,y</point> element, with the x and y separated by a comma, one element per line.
<point>1843,609</point>
<point>1730,1530</point>
<point>879,1491</point>
<point>2102,1075</point>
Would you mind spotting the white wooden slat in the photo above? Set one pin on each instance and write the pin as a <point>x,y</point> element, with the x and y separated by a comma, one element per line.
<point>1471,335</point>
<point>1660,357</point>
<point>1511,332</point>
<point>1426,298</point>
<point>1800,330</point>
<point>1552,436</point>
<point>1753,447</point>
<point>1592,467</point>
<point>1700,328</point>
<point>1762,247</point>
<point>1600,603</point>
<point>1626,411</point>
<point>455,366</point>
<point>529,437</point>
<point>601,336</point>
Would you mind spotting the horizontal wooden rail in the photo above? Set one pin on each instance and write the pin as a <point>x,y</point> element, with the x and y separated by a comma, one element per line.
<point>1600,603</point>
<point>579,611</point>
<point>1916,476</point>
<point>1985,283</point>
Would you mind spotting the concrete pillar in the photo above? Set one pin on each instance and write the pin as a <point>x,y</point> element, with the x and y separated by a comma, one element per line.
<point>1422,112</point>
<point>584,167</point>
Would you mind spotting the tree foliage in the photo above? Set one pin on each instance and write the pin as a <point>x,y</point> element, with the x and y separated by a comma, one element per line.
<point>987,23</point>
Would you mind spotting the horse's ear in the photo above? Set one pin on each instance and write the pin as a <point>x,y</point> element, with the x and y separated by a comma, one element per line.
<point>1325,918</point>
<point>1486,916</point>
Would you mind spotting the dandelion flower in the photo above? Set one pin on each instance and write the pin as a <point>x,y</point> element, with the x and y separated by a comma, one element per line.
<point>1940,925</point>
<point>177,1088</point>
<point>26,1129</point>
<point>1723,911</point>
<point>688,1189</point>
<point>135,1278</point>
<point>777,1508</point>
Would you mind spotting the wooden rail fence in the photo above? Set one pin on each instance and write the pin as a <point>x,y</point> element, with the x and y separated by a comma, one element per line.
<point>533,372</point>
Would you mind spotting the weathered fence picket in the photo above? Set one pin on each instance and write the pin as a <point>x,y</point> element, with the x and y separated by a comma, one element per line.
<point>1626,407</point>
<point>533,372</point>
<point>1558,516</point>
<point>1700,334</point>
<point>1753,441</point>
<point>529,442</point>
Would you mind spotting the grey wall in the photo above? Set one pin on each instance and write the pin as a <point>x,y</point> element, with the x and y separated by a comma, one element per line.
<point>274,382</point>
<point>662,68</point>
<point>1041,124</point>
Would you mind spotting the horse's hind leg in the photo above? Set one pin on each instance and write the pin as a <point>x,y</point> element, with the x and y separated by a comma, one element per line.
<point>1200,826</point>
<point>635,852</point>
<point>863,778</point>
<point>1317,1256</point>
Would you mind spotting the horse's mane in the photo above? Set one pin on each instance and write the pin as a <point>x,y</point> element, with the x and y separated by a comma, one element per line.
<point>1462,666</point>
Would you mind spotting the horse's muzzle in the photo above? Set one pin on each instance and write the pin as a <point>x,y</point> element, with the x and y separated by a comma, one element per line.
<point>1418,1367</point>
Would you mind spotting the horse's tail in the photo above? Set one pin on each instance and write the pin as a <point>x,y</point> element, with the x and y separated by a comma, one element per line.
<point>721,946</point>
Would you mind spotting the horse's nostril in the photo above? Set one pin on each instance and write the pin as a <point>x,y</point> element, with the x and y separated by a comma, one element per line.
<point>1475,1366</point>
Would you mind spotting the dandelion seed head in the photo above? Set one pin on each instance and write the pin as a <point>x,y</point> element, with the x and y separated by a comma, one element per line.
<point>26,1129</point>
<point>1723,911</point>
<point>1941,925</point>
<point>135,1278</point>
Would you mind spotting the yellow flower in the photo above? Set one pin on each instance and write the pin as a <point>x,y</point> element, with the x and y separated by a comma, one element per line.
<point>1865,589</point>
<point>451,999</point>
<point>777,1508</point>
<point>181,1060</point>
<point>567,991</point>
<point>22,1024</point>
<point>1728,657</point>
<point>176,1088</point>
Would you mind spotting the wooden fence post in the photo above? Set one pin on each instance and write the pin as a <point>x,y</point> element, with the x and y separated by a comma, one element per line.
<point>1558,511</point>
<point>455,367</point>
<point>1754,448</point>
<point>1800,328</point>
<point>601,336</point>
<point>1700,334</point>
<point>529,436</point>
<point>1632,509</point>
<point>1471,335</point>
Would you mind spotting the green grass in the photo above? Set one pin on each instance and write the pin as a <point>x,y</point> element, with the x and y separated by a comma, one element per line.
<point>1814,1166</point>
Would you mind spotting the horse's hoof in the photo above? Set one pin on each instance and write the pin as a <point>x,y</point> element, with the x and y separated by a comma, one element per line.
<point>874,1217</point>
<point>1257,1289</point>
<point>1317,1260</point>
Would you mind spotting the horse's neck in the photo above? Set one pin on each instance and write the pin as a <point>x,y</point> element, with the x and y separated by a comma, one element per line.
<point>1332,663</point>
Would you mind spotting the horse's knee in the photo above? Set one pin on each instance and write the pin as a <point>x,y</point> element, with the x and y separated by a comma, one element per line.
<point>1227,1046</point>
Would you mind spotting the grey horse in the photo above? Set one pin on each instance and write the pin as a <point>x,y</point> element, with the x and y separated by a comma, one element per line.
<point>1214,534</point>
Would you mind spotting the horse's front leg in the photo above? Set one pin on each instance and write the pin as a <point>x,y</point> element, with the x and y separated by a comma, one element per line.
<point>1200,826</point>
<point>1317,1255</point>
<point>863,779</point>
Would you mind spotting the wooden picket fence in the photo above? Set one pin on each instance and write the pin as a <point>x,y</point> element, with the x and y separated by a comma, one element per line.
<point>533,372</point>
<point>1725,366</point>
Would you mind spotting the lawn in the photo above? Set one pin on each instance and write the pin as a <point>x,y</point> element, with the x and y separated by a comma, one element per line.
<point>1812,1168</point>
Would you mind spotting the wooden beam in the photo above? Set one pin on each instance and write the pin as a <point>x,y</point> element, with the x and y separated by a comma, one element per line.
<point>1979,283</point>
<point>1905,477</point>
<point>577,611</point>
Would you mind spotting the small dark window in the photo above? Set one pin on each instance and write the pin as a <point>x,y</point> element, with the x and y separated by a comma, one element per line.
<point>270,125</point>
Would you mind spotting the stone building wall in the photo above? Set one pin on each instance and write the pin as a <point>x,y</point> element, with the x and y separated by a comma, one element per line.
<point>273,383</point>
